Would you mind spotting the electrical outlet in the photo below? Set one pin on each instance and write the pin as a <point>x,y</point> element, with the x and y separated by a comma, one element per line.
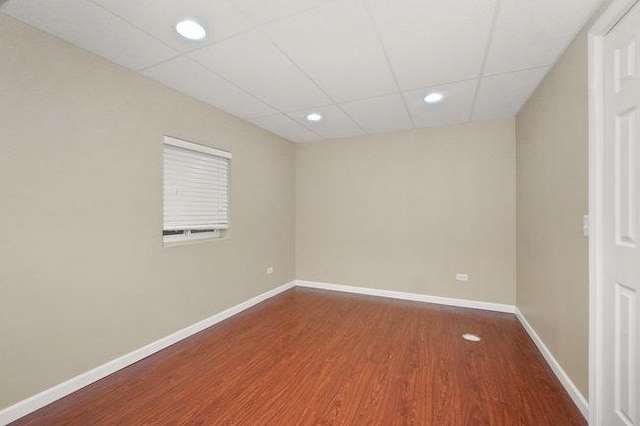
<point>270,270</point>
<point>462,277</point>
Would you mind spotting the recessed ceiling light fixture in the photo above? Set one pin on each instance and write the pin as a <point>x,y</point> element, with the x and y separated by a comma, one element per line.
<point>314,116</point>
<point>191,30</point>
<point>434,98</point>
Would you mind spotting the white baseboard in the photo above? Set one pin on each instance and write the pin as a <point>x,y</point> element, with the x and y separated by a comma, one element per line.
<point>463,303</point>
<point>569,386</point>
<point>50,395</point>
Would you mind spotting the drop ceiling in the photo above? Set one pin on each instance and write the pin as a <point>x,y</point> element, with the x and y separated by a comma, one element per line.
<point>364,65</point>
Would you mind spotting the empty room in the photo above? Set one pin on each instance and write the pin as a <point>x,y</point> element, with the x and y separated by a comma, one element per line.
<point>320,212</point>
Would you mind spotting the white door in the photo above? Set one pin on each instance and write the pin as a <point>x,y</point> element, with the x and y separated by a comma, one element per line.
<point>621,233</point>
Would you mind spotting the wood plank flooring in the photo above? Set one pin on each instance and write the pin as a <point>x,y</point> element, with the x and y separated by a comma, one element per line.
<point>311,357</point>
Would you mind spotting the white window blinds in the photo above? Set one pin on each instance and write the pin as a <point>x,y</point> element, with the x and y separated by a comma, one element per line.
<point>196,187</point>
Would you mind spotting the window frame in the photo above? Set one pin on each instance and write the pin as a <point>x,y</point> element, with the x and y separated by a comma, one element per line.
<point>194,235</point>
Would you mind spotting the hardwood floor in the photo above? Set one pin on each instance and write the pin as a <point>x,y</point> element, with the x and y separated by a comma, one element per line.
<point>311,357</point>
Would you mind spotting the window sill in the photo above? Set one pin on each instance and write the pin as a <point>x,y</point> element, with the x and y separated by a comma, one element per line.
<point>189,241</point>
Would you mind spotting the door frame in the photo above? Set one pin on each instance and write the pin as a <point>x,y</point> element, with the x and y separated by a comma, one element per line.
<point>605,23</point>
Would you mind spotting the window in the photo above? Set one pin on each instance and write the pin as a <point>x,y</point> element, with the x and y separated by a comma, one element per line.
<point>195,192</point>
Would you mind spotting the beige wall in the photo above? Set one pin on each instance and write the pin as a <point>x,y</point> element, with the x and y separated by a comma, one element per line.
<point>83,274</point>
<point>407,211</point>
<point>552,196</point>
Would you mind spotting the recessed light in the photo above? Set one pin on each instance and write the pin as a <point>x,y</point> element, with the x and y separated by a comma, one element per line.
<point>314,116</point>
<point>434,98</point>
<point>191,30</point>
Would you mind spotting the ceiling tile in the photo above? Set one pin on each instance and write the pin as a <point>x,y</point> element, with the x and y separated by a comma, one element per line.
<point>337,45</point>
<point>159,17</point>
<point>193,79</point>
<point>530,34</point>
<point>432,42</point>
<point>280,59</point>
<point>379,115</point>
<point>335,123</point>
<point>264,11</point>
<point>454,109</point>
<point>502,96</point>
<point>284,126</point>
<point>92,28</point>
<point>252,62</point>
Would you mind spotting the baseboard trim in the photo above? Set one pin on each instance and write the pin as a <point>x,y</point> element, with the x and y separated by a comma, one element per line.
<point>567,383</point>
<point>462,303</point>
<point>31,404</point>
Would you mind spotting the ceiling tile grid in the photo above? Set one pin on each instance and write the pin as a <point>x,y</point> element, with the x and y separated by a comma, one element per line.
<point>383,114</point>
<point>158,18</point>
<point>337,46</point>
<point>531,34</point>
<point>261,11</point>
<point>92,28</point>
<point>193,79</point>
<point>456,108</point>
<point>433,42</point>
<point>283,125</point>
<point>520,84</point>
<point>251,61</point>
<point>335,123</point>
<point>364,65</point>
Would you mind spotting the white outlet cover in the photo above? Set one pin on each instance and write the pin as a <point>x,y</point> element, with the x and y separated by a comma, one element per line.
<point>462,277</point>
<point>269,270</point>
